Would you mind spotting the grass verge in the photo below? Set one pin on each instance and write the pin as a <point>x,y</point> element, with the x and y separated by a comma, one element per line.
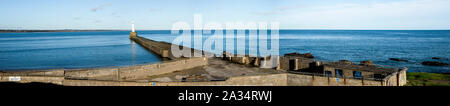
<point>428,79</point>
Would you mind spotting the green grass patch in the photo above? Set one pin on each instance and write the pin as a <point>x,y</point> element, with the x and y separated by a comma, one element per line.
<point>427,79</point>
<point>427,76</point>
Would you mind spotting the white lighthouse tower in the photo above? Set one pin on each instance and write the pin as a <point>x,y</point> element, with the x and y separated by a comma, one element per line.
<point>133,31</point>
<point>132,27</point>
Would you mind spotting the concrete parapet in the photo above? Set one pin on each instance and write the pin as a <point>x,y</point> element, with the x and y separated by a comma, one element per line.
<point>28,79</point>
<point>402,79</point>
<point>299,80</point>
<point>90,83</point>
<point>53,72</point>
<point>285,79</point>
<point>143,71</point>
<point>93,74</point>
<point>278,80</point>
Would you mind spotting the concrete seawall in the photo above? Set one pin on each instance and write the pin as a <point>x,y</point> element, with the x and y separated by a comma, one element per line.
<point>163,49</point>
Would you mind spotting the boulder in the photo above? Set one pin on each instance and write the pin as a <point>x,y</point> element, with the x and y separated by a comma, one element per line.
<point>306,55</point>
<point>292,54</point>
<point>397,59</point>
<point>437,58</point>
<point>346,62</point>
<point>367,63</point>
<point>433,63</point>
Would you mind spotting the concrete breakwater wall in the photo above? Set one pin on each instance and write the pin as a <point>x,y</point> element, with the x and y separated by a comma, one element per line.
<point>160,48</point>
<point>163,49</point>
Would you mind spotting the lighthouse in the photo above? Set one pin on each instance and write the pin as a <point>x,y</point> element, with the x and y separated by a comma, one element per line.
<point>132,27</point>
<point>133,31</point>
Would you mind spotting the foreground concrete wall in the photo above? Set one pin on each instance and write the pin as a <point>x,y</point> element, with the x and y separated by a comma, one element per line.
<point>278,80</point>
<point>258,80</point>
<point>391,80</point>
<point>372,83</point>
<point>139,72</point>
<point>300,80</point>
<point>53,72</point>
<point>28,79</point>
<point>90,83</point>
<point>333,81</point>
<point>321,81</point>
<point>396,79</point>
<point>402,79</point>
<point>135,72</point>
<point>262,80</point>
<point>93,74</point>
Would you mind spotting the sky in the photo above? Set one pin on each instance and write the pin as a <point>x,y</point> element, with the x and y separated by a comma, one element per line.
<point>161,14</point>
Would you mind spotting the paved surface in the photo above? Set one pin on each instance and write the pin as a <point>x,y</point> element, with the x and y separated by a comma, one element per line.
<point>217,69</point>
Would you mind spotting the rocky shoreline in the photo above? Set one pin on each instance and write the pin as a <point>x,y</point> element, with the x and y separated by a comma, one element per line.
<point>426,63</point>
<point>434,63</point>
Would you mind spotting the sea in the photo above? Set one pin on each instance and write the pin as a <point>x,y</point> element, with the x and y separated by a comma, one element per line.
<point>72,50</point>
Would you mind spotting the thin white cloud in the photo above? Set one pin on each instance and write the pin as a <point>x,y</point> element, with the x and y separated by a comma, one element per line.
<point>100,7</point>
<point>407,14</point>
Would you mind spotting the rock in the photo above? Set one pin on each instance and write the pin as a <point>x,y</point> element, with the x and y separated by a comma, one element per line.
<point>367,63</point>
<point>397,59</point>
<point>433,63</point>
<point>439,58</point>
<point>292,54</point>
<point>346,62</point>
<point>306,55</point>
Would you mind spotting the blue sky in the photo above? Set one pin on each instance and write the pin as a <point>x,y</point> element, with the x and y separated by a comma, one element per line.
<point>161,14</point>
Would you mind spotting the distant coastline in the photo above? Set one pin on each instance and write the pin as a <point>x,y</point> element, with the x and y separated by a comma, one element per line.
<point>68,30</point>
<point>95,30</point>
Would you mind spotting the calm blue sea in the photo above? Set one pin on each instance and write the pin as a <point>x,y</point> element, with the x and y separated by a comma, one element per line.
<point>101,49</point>
<point>70,50</point>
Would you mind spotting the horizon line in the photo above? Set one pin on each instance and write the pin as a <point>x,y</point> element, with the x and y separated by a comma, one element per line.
<point>223,29</point>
